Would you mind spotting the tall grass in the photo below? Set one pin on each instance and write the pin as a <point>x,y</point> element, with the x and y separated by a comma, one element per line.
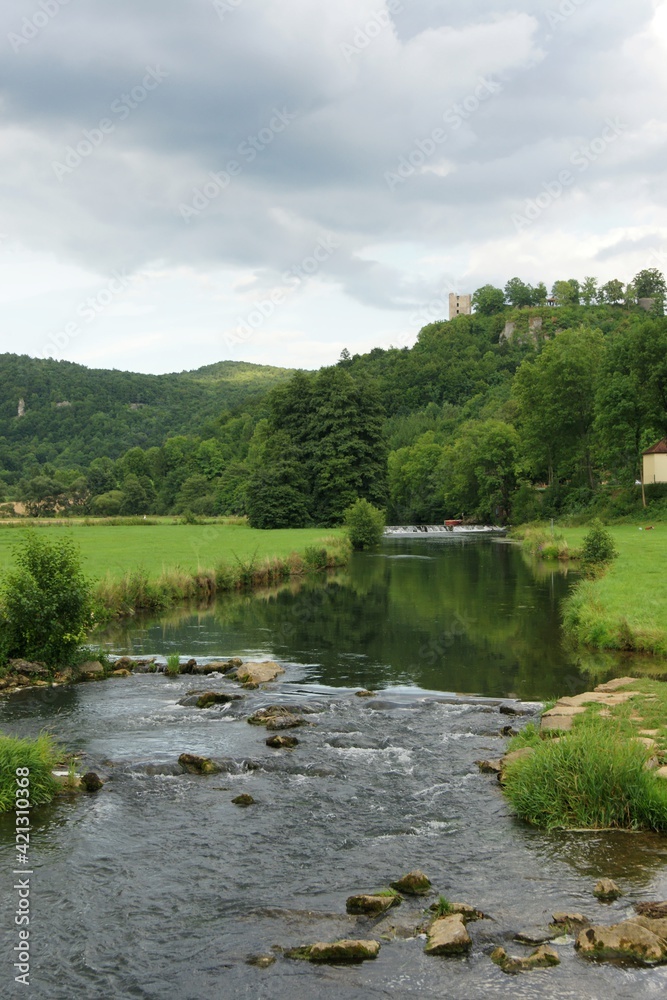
<point>40,756</point>
<point>593,778</point>
<point>140,591</point>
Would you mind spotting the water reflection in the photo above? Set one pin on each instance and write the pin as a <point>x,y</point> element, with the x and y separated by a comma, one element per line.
<point>465,616</point>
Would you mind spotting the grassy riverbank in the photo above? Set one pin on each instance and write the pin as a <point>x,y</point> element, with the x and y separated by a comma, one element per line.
<point>625,608</point>
<point>148,566</point>
<point>40,756</point>
<point>596,776</point>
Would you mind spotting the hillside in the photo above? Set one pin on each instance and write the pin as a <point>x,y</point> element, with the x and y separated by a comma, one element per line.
<point>74,414</point>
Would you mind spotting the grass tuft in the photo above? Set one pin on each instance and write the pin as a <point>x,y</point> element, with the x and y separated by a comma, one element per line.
<point>40,756</point>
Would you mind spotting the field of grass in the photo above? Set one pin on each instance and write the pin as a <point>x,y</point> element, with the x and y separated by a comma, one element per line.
<point>148,566</point>
<point>155,548</point>
<point>626,607</point>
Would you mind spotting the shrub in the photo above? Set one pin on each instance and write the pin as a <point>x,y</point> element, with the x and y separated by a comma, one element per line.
<point>40,756</point>
<point>365,524</point>
<point>45,602</point>
<point>598,547</point>
<point>315,557</point>
<point>593,778</point>
<point>173,665</point>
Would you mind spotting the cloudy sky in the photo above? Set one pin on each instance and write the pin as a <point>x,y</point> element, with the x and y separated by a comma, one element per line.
<point>185,181</point>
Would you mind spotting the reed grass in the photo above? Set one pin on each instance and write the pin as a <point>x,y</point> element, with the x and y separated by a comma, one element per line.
<point>592,778</point>
<point>40,756</point>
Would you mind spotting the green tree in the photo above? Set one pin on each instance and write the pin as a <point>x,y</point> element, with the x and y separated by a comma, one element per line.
<point>589,291</point>
<point>415,482</point>
<point>365,524</point>
<point>519,294</point>
<point>650,283</point>
<point>135,499</point>
<point>45,601</point>
<point>566,293</point>
<point>612,292</point>
<point>488,300</point>
<point>482,470</point>
<point>555,397</point>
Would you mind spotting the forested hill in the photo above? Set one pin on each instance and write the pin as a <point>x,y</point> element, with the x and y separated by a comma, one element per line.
<point>74,414</point>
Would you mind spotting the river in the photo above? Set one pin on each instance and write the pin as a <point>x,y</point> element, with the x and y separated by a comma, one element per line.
<point>160,887</point>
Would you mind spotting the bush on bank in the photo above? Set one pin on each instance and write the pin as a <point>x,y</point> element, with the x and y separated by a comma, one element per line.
<point>45,602</point>
<point>40,756</point>
<point>365,524</point>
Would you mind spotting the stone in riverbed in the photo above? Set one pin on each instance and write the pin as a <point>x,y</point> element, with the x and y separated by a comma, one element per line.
<point>344,951</point>
<point>260,961</point>
<point>371,905</point>
<point>258,673</point>
<point>28,669</point>
<point>566,922</point>
<point>365,694</point>
<point>91,670</point>
<point>214,698</point>
<point>244,800</point>
<point>413,884</point>
<point>489,766</point>
<point>606,890</point>
<point>448,936</point>
<point>91,782</point>
<point>193,764</point>
<point>218,667</point>
<point>543,957</point>
<point>275,713</point>
<point>282,742</point>
<point>285,722</point>
<point>535,936</point>
<point>628,940</point>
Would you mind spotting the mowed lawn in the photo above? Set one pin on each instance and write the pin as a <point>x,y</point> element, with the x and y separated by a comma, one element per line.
<point>112,550</point>
<point>632,592</point>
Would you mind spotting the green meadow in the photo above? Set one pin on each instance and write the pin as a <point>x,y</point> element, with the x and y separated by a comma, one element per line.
<point>625,608</point>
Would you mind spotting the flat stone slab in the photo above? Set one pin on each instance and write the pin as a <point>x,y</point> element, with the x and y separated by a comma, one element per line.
<point>448,936</point>
<point>562,709</point>
<point>370,905</point>
<point>542,958</point>
<point>561,723</point>
<point>660,772</point>
<point>618,682</point>
<point>344,951</point>
<point>609,699</point>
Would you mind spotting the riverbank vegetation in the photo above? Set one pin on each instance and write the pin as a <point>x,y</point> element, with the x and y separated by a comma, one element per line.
<point>596,776</point>
<point>523,410</point>
<point>40,756</point>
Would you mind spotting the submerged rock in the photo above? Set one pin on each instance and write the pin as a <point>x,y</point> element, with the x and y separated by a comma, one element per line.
<point>606,890</point>
<point>215,698</point>
<point>260,961</point>
<point>413,884</point>
<point>344,951</point>
<point>194,764</point>
<point>244,800</point>
<point>285,722</point>
<point>566,922</point>
<point>489,766</point>
<point>218,667</point>
<point>282,742</point>
<point>535,936</point>
<point>448,936</point>
<point>365,694</point>
<point>91,782</point>
<point>372,905</point>
<point>542,958</point>
<point>628,940</point>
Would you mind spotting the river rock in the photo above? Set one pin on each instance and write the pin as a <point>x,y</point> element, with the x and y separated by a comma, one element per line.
<point>244,800</point>
<point>121,673</point>
<point>448,936</point>
<point>627,940</point>
<point>654,910</point>
<point>489,766</point>
<point>263,716</point>
<point>215,698</point>
<point>91,782</point>
<point>543,957</point>
<point>193,764</point>
<point>467,912</point>
<point>124,663</point>
<point>660,772</point>
<point>371,905</point>
<point>365,694</point>
<point>535,936</point>
<point>285,722</point>
<point>606,890</point>
<point>415,883</point>
<point>658,925</point>
<point>282,742</point>
<point>91,670</point>
<point>614,685</point>
<point>344,951</point>
<point>258,673</point>
<point>260,961</point>
<point>28,669</point>
<point>218,667</point>
<point>569,921</point>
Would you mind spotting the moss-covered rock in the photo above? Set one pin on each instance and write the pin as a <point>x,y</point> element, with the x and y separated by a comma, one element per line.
<point>606,890</point>
<point>543,957</point>
<point>346,951</point>
<point>244,800</point>
<point>194,764</point>
<point>415,883</point>
<point>372,905</point>
<point>448,936</point>
<point>282,742</point>
<point>628,941</point>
